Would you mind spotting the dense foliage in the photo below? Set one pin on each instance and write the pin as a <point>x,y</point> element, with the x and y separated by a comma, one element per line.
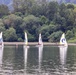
<point>50,19</point>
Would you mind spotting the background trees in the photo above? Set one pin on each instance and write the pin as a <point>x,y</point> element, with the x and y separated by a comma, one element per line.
<point>10,35</point>
<point>50,19</point>
<point>3,10</point>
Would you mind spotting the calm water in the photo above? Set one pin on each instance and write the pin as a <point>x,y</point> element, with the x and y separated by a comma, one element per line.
<point>46,60</point>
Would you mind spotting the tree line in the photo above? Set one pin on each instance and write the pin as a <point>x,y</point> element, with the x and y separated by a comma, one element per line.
<point>48,18</point>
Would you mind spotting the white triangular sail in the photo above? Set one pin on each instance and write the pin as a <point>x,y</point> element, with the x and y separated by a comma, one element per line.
<point>1,39</point>
<point>63,40</point>
<point>26,39</point>
<point>40,40</point>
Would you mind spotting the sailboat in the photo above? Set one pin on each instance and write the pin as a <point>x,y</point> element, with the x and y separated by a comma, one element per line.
<point>1,40</point>
<point>63,41</point>
<point>40,40</point>
<point>26,40</point>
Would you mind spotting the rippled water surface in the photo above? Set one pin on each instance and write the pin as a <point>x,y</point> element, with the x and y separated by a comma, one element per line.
<point>42,60</point>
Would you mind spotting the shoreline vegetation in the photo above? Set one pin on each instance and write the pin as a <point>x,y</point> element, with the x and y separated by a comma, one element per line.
<point>51,19</point>
<point>35,43</point>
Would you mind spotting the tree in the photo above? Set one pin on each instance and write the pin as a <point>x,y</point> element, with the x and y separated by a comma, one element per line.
<point>15,22</point>
<point>63,10</point>
<point>30,21</point>
<point>53,8</point>
<point>12,20</point>
<point>2,27</point>
<point>70,6</point>
<point>10,35</point>
<point>3,10</point>
<point>44,20</point>
<point>70,20</point>
<point>23,6</point>
<point>39,9</point>
<point>44,30</point>
<point>68,16</point>
<point>31,38</point>
<point>55,36</point>
<point>31,24</point>
<point>69,34</point>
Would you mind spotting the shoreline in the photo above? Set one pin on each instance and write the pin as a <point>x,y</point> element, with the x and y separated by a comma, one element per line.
<point>33,43</point>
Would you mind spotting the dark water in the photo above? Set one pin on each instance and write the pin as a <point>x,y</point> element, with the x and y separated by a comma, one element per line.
<point>46,60</point>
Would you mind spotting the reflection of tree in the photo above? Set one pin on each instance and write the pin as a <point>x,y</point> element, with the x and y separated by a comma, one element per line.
<point>71,58</point>
<point>8,59</point>
<point>18,57</point>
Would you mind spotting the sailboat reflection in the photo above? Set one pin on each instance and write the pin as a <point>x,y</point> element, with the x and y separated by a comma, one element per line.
<point>25,57</point>
<point>63,55</point>
<point>40,56</point>
<point>1,56</point>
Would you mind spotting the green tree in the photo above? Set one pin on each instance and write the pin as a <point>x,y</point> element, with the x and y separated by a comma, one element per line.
<point>70,20</point>
<point>44,20</point>
<point>63,10</point>
<point>2,27</point>
<point>69,34</point>
<point>3,10</point>
<point>10,35</point>
<point>31,38</point>
<point>30,23</point>
<point>12,20</point>
<point>23,6</point>
<point>38,9</point>
<point>70,6</point>
<point>55,36</point>
<point>15,22</point>
<point>45,32</point>
<point>53,8</point>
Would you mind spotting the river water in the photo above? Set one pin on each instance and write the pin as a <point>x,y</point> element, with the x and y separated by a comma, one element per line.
<point>42,60</point>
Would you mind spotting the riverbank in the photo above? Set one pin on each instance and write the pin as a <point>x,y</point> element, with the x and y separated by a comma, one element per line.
<point>33,43</point>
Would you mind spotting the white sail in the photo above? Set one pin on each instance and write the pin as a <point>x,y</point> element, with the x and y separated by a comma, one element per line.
<point>63,40</point>
<point>26,39</point>
<point>1,39</point>
<point>40,40</point>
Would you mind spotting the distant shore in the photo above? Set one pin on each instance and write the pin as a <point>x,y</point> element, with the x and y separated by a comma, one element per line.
<point>34,43</point>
